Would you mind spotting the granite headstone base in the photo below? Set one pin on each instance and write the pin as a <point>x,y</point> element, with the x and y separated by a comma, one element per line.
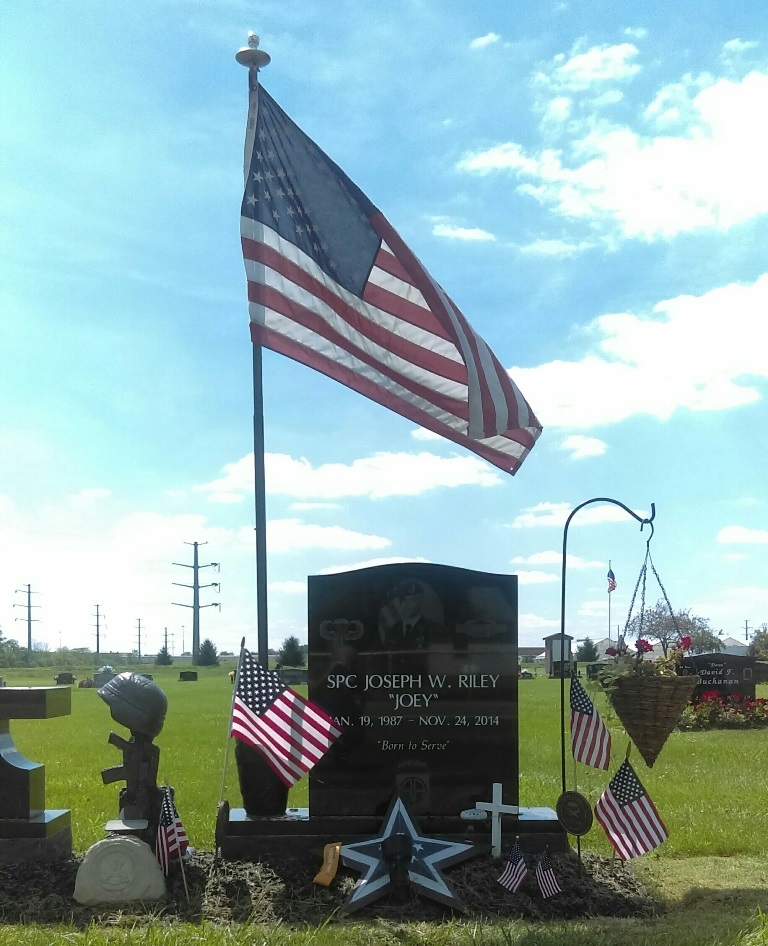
<point>240,837</point>
<point>45,838</point>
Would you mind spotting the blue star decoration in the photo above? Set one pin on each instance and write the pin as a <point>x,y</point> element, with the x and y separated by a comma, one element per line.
<point>400,855</point>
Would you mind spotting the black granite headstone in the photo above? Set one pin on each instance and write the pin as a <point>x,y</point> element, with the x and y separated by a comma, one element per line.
<point>418,664</point>
<point>725,674</point>
<point>29,832</point>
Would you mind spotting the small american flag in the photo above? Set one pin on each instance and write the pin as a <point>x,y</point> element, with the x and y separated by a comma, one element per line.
<point>545,876</point>
<point>628,815</point>
<point>611,581</point>
<point>290,732</point>
<point>515,869</point>
<point>172,839</point>
<point>332,285</point>
<point>590,739</point>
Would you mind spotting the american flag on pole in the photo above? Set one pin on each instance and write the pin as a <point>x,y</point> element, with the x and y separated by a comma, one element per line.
<point>590,739</point>
<point>171,839</point>
<point>628,815</point>
<point>611,581</point>
<point>333,286</point>
<point>545,876</point>
<point>515,870</point>
<point>291,733</point>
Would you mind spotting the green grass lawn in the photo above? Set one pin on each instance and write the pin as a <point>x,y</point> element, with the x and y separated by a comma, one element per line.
<point>709,787</point>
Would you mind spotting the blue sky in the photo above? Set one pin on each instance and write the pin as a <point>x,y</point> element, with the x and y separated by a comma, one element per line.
<point>587,181</point>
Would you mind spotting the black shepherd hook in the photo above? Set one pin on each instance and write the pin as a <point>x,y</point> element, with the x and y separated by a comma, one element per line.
<point>643,521</point>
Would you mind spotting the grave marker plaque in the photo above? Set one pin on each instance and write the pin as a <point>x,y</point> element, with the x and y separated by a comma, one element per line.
<point>727,674</point>
<point>418,664</point>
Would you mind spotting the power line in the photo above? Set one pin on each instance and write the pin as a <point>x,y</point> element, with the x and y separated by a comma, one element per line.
<point>29,618</point>
<point>196,586</point>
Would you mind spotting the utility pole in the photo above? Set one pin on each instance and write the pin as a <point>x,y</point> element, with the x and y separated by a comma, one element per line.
<point>29,618</point>
<point>165,640</point>
<point>98,617</point>
<point>138,636</point>
<point>196,586</point>
<point>746,631</point>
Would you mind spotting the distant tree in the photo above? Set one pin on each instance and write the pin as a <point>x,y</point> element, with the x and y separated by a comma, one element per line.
<point>758,646</point>
<point>660,624</point>
<point>163,658</point>
<point>587,652</point>
<point>208,656</point>
<point>705,641</point>
<point>291,653</point>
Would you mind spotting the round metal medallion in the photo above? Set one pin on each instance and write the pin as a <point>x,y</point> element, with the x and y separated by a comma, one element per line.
<point>574,813</point>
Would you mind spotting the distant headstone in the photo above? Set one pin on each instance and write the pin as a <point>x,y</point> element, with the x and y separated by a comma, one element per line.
<point>64,677</point>
<point>186,676</point>
<point>29,832</point>
<point>119,869</point>
<point>418,664</point>
<point>725,674</point>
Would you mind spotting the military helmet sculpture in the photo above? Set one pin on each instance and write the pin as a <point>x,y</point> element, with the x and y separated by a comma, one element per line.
<point>136,703</point>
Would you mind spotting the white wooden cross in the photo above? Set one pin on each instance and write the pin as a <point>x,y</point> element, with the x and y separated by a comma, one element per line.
<point>497,809</point>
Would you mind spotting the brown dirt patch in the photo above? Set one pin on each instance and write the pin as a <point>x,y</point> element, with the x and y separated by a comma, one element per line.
<point>283,891</point>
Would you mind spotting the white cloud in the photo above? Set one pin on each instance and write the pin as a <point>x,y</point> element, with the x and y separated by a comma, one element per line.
<point>288,587</point>
<point>699,162</point>
<point>581,447</point>
<point>599,64</point>
<point>556,558</point>
<point>377,477</point>
<point>556,514</point>
<point>739,46</point>
<point>288,535</point>
<point>592,609</point>
<point>554,248</point>
<point>421,433</point>
<point>469,234</point>
<point>741,535</point>
<point>368,563</point>
<point>482,41</point>
<point>637,32</point>
<point>536,578</point>
<point>558,110</point>
<point>677,356</point>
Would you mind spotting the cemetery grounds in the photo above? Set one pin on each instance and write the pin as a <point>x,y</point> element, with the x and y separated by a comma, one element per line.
<point>707,884</point>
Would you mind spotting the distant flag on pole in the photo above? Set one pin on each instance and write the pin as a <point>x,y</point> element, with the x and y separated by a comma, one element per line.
<point>611,581</point>
<point>515,870</point>
<point>545,876</point>
<point>628,815</point>
<point>333,286</point>
<point>290,732</point>
<point>590,739</point>
<point>172,840</point>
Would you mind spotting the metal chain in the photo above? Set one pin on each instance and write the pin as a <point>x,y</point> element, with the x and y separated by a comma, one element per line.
<point>642,578</point>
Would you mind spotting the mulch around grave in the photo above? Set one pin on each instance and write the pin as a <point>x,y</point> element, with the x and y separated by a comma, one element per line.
<point>230,892</point>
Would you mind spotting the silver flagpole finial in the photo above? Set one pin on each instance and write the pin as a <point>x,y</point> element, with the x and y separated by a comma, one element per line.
<point>251,56</point>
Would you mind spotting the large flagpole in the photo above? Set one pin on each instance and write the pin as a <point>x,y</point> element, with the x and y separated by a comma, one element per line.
<point>254,59</point>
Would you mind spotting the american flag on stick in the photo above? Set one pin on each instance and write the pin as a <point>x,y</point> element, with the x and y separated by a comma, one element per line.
<point>545,876</point>
<point>333,286</point>
<point>290,732</point>
<point>172,840</point>
<point>515,870</point>
<point>628,815</point>
<point>590,739</point>
<point>611,580</point>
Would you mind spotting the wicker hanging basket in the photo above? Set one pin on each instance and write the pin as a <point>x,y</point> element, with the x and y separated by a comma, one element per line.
<point>649,708</point>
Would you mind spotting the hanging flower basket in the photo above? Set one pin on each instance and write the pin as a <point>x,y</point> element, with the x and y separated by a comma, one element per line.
<point>650,707</point>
